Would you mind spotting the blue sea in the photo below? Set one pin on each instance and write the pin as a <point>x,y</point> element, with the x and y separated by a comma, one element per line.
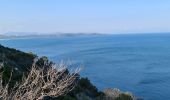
<point>139,63</point>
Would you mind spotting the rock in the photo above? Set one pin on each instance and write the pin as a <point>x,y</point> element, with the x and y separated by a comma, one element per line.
<point>112,93</point>
<point>116,94</point>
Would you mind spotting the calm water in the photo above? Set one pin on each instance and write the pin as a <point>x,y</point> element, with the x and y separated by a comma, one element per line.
<point>136,63</point>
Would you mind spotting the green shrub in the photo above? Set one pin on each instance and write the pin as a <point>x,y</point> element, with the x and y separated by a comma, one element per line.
<point>6,73</point>
<point>124,97</point>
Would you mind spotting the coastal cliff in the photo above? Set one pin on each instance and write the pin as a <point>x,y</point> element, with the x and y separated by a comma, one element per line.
<point>20,63</point>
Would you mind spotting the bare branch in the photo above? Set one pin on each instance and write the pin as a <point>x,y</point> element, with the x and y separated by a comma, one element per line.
<point>41,82</point>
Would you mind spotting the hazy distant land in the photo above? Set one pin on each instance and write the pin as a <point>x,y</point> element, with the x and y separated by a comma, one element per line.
<point>34,35</point>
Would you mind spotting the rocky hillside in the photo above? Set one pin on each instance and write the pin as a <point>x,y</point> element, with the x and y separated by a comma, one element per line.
<point>16,59</point>
<point>20,62</point>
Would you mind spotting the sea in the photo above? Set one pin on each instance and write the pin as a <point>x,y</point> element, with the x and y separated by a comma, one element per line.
<point>137,63</point>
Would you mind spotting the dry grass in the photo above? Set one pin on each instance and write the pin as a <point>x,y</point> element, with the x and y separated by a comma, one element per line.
<point>39,83</point>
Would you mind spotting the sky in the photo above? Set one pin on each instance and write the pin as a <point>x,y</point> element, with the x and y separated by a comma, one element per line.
<point>84,16</point>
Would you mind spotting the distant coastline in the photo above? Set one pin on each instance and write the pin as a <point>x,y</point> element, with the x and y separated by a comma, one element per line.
<point>45,35</point>
<point>24,35</point>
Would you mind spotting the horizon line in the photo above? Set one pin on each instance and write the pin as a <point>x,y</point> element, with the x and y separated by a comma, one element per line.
<point>74,33</point>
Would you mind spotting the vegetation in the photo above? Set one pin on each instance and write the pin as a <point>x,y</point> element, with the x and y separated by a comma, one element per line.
<point>124,96</point>
<point>84,90</point>
<point>39,83</point>
<point>58,84</point>
<point>16,59</point>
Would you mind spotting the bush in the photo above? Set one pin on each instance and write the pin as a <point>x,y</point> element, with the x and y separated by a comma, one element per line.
<point>39,83</point>
<point>124,96</point>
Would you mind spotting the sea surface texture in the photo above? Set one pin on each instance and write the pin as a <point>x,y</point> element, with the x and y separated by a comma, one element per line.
<point>136,63</point>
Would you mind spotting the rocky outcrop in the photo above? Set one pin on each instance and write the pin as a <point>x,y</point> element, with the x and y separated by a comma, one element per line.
<point>116,94</point>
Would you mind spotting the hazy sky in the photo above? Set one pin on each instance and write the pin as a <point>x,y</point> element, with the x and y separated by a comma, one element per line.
<point>103,16</point>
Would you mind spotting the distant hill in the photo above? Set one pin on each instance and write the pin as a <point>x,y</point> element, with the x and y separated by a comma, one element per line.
<point>2,36</point>
<point>34,35</point>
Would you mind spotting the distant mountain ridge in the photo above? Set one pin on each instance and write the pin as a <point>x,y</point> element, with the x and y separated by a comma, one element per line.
<point>38,33</point>
<point>34,34</point>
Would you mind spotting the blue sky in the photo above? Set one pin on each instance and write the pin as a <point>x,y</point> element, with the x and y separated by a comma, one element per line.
<point>87,16</point>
